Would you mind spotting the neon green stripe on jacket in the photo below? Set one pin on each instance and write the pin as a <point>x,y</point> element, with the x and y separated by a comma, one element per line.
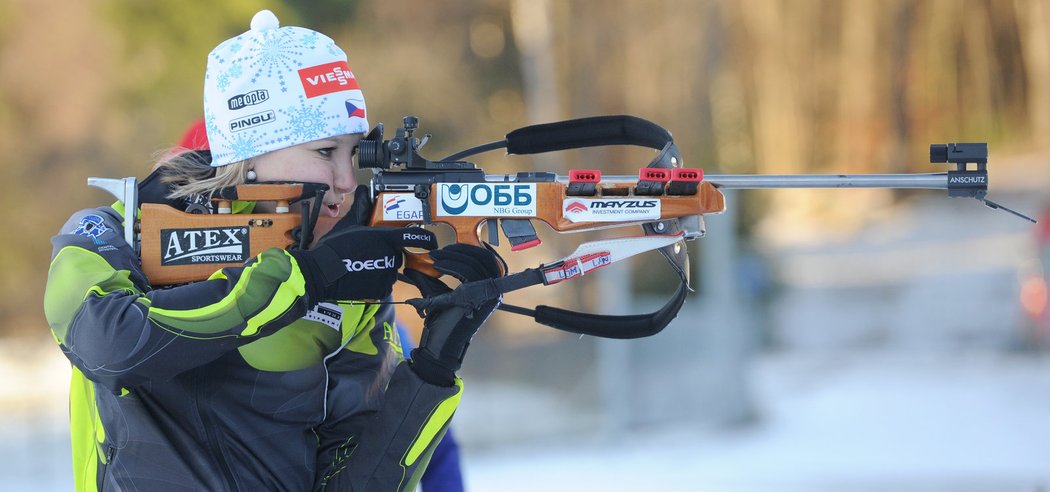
<point>74,274</point>
<point>264,291</point>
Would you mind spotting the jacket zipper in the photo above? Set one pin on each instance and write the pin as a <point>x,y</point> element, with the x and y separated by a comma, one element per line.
<point>110,452</point>
<point>210,435</point>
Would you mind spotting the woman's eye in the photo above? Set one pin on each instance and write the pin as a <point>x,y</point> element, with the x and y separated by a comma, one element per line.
<point>327,151</point>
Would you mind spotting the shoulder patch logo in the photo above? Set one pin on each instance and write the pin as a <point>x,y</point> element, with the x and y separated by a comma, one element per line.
<point>91,226</point>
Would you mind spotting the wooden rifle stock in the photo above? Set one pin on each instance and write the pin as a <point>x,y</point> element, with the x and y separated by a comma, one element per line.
<point>179,247</point>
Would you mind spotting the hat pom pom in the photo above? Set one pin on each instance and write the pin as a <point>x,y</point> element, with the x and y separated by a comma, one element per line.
<point>265,20</point>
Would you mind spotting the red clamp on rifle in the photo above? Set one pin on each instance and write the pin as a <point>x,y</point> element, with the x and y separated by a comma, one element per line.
<point>684,181</point>
<point>583,182</point>
<point>651,181</point>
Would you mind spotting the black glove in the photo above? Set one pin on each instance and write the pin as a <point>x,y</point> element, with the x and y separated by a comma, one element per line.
<point>447,332</point>
<point>354,261</point>
<point>361,210</point>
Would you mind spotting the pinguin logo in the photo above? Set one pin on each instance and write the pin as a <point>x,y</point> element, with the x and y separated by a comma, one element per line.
<point>576,207</point>
<point>91,226</point>
<point>252,121</point>
<point>193,246</point>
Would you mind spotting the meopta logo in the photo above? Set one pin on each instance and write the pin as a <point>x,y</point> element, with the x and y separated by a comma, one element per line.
<point>248,99</point>
<point>383,263</point>
<point>324,79</point>
<point>402,206</point>
<point>212,245</point>
<point>483,200</point>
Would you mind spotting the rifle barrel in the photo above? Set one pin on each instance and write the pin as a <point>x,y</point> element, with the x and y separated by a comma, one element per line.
<point>761,181</point>
<point>934,181</point>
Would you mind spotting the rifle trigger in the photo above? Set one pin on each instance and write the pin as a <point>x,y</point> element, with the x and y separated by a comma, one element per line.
<point>422,192</point>
<point>490,225</point>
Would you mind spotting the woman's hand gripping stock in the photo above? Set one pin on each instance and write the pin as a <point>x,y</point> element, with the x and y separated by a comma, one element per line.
<point>354,261</point>
<point>447,330</point>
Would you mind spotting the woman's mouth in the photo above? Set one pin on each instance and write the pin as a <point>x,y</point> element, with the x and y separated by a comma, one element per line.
<point>331,209</point>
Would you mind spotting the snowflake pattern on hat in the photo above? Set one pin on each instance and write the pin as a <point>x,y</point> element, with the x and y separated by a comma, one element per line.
<point>275,87</point>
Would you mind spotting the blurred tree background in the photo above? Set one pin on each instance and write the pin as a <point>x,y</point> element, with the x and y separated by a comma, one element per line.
<point>97,88</point>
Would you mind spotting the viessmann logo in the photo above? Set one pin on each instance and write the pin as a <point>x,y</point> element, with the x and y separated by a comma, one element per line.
<point>326,79</point>
<point>208,245</point>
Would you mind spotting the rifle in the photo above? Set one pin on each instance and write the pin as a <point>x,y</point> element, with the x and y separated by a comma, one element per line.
<point>666,199</point>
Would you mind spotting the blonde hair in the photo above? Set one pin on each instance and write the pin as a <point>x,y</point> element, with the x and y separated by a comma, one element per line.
<point>188,176</point>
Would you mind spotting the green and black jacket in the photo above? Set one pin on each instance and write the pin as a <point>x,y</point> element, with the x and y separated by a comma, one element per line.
<point>232,383</point>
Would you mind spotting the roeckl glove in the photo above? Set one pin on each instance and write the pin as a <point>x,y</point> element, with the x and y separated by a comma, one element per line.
<point>447,332</point>
<point>361,210</point>
<point>354,261</point>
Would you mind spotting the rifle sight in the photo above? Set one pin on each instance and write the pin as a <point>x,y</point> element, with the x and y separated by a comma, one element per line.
<point>959,153</point>
<point>403,150</point>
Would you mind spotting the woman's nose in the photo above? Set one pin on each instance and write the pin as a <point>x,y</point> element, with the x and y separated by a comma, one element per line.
<point>344,181</point>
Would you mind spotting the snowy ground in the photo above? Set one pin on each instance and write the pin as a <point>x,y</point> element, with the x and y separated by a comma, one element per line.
<point>842,422</point>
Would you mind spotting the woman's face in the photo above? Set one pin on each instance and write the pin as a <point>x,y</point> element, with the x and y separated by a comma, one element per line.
<point>327,161</point>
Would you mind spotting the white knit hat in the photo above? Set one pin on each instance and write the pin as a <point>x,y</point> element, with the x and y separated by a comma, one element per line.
<point>274,87</point>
